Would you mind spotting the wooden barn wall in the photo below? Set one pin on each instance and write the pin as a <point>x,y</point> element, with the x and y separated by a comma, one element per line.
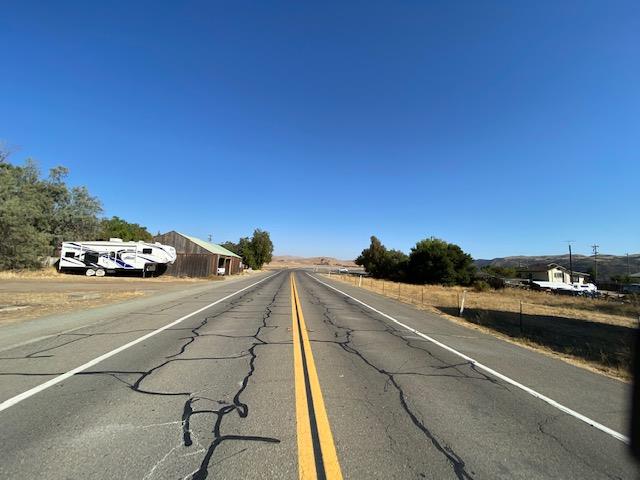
<point>193,260</point>
<point>235,265</point>
<point>193,265</point>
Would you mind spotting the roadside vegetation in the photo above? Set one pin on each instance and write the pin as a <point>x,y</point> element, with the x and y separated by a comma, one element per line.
<point>598,333</point>
<point>255,251</point>
<point>431,261</point>
<point>37,214</point>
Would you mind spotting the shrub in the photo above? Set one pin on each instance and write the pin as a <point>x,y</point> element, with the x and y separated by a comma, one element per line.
<point>481,286</point>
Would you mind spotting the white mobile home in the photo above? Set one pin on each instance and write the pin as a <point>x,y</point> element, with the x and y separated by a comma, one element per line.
<point>101,257</point>
<point>553,273</point>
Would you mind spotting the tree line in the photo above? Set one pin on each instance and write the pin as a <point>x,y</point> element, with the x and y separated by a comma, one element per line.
<point>431,261</point>
<point>37,214</point>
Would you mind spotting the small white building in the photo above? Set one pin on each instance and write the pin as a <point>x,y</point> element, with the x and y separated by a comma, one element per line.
<point>552,272</point>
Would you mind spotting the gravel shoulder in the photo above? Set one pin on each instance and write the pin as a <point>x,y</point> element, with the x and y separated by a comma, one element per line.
<point>32,295</point>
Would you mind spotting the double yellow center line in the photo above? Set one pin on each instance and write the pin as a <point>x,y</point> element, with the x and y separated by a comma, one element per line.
<point>317,457</point>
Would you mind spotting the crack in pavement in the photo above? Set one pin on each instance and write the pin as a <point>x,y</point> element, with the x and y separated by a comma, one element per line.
<point>552,418</point>
<point>188,410</point>
<point>238,406</point>
<point>329,319</point>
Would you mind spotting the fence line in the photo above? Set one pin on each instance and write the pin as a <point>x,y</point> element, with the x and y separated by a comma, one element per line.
<point>607,344</point>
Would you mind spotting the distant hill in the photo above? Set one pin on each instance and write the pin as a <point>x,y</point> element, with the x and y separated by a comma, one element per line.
<point>293,260</point>
<point>608,265</point>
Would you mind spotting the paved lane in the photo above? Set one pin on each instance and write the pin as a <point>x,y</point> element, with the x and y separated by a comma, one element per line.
<point>212,396</point>
<point>414,410</point>
<point>222,395</point>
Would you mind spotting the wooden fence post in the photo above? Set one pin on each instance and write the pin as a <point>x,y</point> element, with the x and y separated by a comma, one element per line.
<point>464,293</point>
<point>521,329</point>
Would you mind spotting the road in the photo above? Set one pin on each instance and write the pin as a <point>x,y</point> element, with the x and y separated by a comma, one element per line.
<point>287,375</point>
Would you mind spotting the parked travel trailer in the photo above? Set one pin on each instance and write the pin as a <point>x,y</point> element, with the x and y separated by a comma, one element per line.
<point>101,257</point>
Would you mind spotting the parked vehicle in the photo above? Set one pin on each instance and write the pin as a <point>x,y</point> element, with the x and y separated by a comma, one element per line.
<point>100,257</point>
<point>343,270</point>
<point>587,289</point>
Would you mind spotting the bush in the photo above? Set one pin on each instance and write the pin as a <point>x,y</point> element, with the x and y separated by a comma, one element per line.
<point>255,251</point>
<point>115,227</point>
<point>435,261</point>
<point>381,262</point>
<point>481,286</point>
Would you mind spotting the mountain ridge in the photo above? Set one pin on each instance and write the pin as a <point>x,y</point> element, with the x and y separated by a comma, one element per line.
<point>608,265</point>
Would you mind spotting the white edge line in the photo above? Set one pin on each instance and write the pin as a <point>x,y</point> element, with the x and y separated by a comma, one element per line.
<point>550,401</point>
<point>29,393</point>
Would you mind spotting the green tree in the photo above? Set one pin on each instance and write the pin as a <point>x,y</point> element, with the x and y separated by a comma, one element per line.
<point>246,252</point>
<point>37,214</point>
<point>260,249</point>
<point>116,227</point>
<point>255,251</point>
<point>435,261</point>
<point>24,220</point>
<point>382,263</point>
<point>232,247</point>
<point>75,216</point>
<point>372,258</point>
<point>504,272</point>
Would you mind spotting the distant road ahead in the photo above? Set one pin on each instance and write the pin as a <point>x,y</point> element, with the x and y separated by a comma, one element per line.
<point>290,377</point>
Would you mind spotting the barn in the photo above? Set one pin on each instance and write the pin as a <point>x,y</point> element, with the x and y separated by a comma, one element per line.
<point>197,257</point>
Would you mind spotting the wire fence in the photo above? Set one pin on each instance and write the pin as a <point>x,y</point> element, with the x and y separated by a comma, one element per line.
<point>572,326</point>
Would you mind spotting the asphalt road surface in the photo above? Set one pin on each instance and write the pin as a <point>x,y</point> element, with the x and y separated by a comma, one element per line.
<point>283,376</point>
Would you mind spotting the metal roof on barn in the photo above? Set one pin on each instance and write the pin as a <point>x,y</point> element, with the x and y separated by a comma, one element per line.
<point>211,247</point>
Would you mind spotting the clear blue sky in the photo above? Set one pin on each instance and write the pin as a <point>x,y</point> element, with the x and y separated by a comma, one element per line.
<point>506,127</point>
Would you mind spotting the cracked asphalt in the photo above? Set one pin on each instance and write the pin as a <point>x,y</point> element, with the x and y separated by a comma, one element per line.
<point>213,397</point>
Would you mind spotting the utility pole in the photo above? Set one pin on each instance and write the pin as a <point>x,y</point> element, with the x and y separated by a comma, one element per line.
<point>210,238</point>
<point>628,269</point>
<point>570,261</point>
<point>595,262</point>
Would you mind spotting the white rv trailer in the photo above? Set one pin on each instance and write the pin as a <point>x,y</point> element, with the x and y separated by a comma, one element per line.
<point>100,257</point>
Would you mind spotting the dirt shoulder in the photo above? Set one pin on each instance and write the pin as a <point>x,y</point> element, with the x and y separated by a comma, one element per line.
<point>27,295</point>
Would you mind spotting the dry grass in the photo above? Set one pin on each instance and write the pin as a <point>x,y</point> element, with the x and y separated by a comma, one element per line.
<point>594,333</point>
<point>613,312</point>
<point>30,274</point>
<point>35,304</point>
<point>33,293</point>
<point>53,274</point>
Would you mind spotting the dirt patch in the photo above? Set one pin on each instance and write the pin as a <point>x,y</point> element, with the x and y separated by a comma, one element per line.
<point>592,333</point>
<point>16,306</point>
<point>53,274</point>
<point>35,293</point>
<point>30,294</point>
<point>291,261</point>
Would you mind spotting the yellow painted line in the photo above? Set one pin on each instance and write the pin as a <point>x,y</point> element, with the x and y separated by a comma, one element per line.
<point>315,440</point>
<point>306,462</point>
